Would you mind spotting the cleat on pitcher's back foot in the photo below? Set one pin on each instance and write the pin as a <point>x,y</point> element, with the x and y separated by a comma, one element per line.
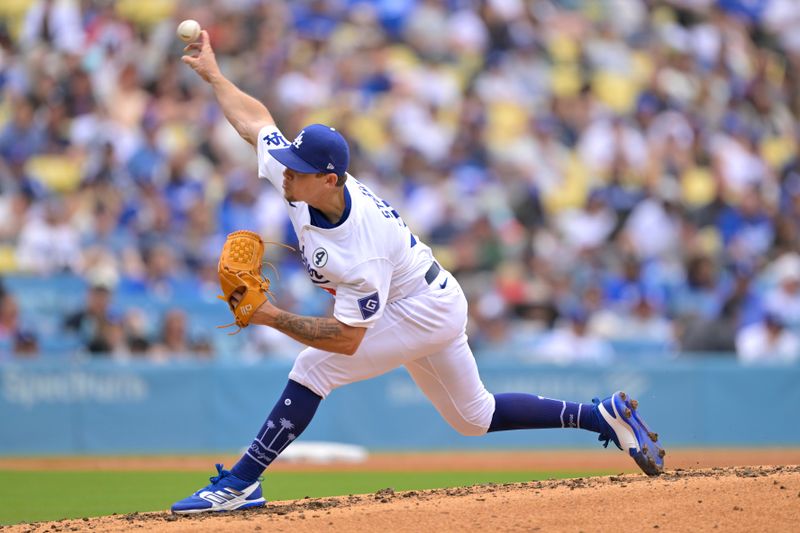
<point>623,425</point>
<point>225,493</point>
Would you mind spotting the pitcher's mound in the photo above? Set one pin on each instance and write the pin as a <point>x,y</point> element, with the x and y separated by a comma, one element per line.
<point>764,498</point>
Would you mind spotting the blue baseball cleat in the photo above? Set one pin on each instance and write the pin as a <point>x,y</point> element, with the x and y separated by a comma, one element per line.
<point>225,493</point>
<point>629,432</point>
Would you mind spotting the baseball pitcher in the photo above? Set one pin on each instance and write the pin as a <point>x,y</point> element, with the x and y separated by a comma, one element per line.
<point>394,305</point>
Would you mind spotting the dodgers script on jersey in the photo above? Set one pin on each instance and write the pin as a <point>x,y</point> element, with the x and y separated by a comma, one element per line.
<point>368,259</point>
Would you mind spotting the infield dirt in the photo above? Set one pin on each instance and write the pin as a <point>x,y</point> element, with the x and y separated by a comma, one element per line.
<point>685,498</point>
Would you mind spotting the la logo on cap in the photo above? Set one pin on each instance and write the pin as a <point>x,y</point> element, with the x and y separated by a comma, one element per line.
<point>299,139</point>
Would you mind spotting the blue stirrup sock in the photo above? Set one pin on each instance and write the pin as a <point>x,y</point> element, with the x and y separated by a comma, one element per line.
<point>289,418</point>
<point>514,410</point>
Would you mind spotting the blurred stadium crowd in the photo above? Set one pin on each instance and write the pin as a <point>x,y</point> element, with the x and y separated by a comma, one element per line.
<point>605,178</point>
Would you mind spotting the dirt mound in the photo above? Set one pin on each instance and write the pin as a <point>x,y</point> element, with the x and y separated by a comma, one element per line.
<point>765,498</point>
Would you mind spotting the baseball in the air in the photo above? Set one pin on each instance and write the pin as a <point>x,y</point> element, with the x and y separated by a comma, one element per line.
<point>188,30</point>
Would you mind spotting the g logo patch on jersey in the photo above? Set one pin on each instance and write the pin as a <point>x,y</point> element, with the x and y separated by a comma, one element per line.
<point>369,305</point>
<point>320,257</point>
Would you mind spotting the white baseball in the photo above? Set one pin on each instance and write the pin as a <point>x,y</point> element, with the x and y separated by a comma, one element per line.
<point>188,30</point>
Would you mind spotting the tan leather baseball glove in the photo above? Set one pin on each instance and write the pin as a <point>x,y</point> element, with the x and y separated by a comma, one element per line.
<point>239,270</point>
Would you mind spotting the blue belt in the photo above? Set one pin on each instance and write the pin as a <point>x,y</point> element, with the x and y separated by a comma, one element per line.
<point>432,273</point>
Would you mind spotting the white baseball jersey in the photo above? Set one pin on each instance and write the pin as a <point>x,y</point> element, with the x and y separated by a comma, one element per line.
<point>376,268</point>
<point>367,260</point>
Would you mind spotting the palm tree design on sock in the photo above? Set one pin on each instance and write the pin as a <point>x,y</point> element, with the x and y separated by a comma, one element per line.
<point>270,425</point>
<point>289,438</point>
<point>285,424</point>
<point>255,451</point>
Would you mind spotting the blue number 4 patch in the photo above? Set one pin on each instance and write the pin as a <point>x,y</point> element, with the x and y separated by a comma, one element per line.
<point>369,305</point>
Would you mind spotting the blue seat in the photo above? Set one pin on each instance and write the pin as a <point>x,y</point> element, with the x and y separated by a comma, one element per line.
<point>46,294</point>
<point>209,314</point>
<point>59,345</point>
<point>641,348</point>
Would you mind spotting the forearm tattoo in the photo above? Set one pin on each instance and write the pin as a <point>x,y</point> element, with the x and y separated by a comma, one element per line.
<point>308,328</point>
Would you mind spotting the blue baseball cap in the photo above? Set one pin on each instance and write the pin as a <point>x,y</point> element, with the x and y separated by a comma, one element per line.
<point>317,148</point>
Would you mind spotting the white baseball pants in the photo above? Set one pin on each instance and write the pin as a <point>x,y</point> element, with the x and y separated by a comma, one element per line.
<point>426,334</point>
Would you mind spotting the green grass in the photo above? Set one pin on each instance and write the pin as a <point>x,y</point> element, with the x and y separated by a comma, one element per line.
<point>36,496</point>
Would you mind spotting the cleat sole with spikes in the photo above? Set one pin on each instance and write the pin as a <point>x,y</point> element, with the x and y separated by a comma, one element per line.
<point>651,459</point>
<point>623,425</point>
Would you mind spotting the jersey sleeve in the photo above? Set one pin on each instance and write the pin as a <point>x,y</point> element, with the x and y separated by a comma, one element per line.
<point>270,137</point>
<point>360,302</point>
